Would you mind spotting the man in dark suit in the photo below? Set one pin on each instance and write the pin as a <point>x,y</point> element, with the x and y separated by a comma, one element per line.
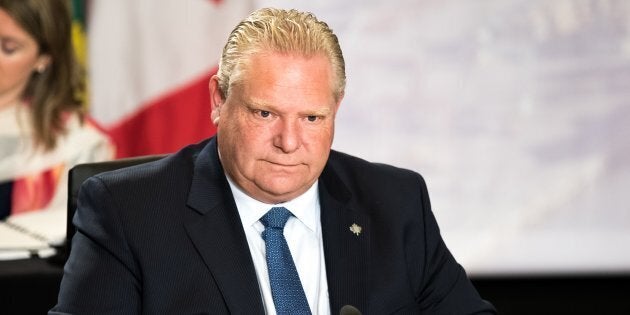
<point>193,233</point>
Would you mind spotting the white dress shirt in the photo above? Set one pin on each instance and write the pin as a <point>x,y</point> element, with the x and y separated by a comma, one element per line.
<point>303,232</point>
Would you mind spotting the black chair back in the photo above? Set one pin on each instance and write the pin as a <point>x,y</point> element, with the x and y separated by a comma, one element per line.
<point>79,173</point>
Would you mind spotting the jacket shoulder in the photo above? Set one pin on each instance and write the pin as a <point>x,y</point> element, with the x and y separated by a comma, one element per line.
<point>168,168</point>
<point>369,183</point>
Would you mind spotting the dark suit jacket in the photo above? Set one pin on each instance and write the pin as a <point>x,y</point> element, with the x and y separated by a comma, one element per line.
<point>166,238</point>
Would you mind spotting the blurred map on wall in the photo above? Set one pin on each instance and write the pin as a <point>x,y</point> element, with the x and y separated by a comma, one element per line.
<point>516,112</point>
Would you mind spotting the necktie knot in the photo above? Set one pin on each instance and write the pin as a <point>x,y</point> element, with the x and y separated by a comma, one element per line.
<point>276,218</point>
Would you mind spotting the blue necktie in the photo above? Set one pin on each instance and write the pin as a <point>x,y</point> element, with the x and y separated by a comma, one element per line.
<point>286,288</point>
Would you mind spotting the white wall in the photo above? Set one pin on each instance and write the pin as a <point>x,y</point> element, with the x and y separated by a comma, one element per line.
<point>516,112</point>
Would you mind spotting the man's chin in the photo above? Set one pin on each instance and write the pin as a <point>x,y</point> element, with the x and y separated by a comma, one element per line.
<point>282,192</point>
<point>283,170</point>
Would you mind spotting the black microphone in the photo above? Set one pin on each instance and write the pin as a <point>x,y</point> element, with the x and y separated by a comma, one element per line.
<point>349,310</point>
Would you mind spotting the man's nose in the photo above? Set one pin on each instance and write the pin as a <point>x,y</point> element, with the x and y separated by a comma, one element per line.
<point>287,136</point>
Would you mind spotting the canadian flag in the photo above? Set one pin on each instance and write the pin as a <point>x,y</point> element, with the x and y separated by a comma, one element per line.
<point>149,66</point>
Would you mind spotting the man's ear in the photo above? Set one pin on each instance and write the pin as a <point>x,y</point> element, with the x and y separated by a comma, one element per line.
<point>216,99</point>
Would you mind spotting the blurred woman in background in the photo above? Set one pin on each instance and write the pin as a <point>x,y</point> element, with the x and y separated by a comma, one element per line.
<point>43,126</point>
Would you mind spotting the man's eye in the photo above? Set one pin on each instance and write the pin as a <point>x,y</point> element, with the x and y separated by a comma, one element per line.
<point>312,118</point>
<point>264,113</point>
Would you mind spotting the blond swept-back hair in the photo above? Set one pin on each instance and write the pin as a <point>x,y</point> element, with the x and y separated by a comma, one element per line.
<point>283,31</point>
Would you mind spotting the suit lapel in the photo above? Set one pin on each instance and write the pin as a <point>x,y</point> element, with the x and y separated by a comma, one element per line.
<point>216,231</point>
<point>346,236</point>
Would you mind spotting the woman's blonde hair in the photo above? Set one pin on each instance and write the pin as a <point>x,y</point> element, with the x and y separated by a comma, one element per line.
<point>55,90</point>
<point>284,31</point>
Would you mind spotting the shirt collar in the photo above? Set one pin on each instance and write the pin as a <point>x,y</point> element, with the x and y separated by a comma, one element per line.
<point>304,207</point>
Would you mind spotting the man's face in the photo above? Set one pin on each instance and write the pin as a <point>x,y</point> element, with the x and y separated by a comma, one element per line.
<point>275,129</point>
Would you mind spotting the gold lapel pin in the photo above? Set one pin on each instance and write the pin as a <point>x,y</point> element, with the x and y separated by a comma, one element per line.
<point>356,229</point>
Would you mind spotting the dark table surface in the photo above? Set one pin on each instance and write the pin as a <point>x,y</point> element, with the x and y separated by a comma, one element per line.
<point>30,286</point>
